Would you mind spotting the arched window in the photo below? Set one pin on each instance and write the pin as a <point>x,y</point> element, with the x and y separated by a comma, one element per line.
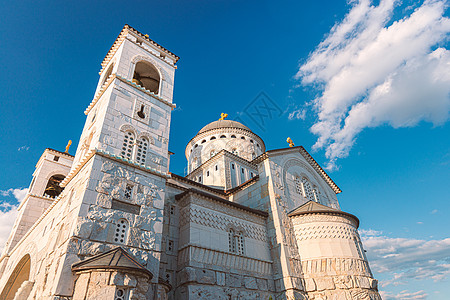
<point>53,189</point>
<point>141,153</point>
<point>222,136</point>
<point>242,137</point>
<point>253,155</point>
<point>231,241</point>
<point>240,242</point>
<point>121,233</point>
<point>127,145</point>
<point>307,190</point>
<point>204,141</point>
<point>233,136</point>
<point>121,293</point>
<point>212,138</point>
<point>316,194</point>
<point>235,151</point>
<point>299,186</point>
<point>147,76</point>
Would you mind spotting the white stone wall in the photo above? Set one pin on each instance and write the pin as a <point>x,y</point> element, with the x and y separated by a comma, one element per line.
<point>206,223</point>
<point>207,269</point>
<point>224,171</point>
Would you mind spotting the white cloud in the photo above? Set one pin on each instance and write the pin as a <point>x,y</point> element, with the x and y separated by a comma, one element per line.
<point>297,114</point>
<point>23,148</point>
<point>19,193</point>
<point>407,259</point>
<point>8,215</point>
<point>404,295</point>
<point>373,70</point>
<point>8,212</point>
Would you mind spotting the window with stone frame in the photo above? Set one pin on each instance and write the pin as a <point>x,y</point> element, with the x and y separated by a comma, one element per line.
<point>308,192</point>
<point>121,231</point>
<point>299,186</point>
<point>236,242</point>
<point>127,145</point>
<point>141,151</point>
<point>121,293</point>
<point>128,193</point>
<point>231,241</point>
<point>316,194</point>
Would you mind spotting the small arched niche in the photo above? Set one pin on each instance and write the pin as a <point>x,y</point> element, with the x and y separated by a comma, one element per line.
<point>147,76</point>
<point>53,189</point>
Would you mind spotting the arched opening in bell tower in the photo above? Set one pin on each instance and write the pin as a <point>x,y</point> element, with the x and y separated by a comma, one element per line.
<point>53,189</point>
<point>147,76</point>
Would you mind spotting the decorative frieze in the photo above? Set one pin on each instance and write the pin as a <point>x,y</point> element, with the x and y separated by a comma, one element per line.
<point>325,231</point>
<point>194,253</point>
<point>215,220</point>
<point>335,266</point>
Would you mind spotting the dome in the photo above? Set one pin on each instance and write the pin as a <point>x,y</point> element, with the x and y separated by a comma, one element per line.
<point>223,124</point>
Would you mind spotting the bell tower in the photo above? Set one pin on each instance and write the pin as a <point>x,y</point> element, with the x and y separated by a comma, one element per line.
<point>117,180</point>
<point>113,198</point>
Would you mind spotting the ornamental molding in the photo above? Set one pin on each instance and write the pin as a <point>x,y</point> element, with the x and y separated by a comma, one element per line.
<point>128,127</point>
<point>139,57</point>
<point>312,217</point>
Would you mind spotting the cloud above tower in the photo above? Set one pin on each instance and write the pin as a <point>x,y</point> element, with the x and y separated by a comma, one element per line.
<point>375,69</point>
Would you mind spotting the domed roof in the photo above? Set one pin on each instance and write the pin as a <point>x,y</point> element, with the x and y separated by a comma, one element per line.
<point>223,124</point>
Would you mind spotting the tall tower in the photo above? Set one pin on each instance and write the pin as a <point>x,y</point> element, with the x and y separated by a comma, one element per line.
<point>114,192</point>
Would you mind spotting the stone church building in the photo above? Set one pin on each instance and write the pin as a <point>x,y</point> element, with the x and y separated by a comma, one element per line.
<point>112,222</point>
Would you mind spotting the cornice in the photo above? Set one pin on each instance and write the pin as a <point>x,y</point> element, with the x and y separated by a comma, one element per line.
<point>122,36</point>
<point>329,213</point>
<point>191,182</point>
<point>113,157</point>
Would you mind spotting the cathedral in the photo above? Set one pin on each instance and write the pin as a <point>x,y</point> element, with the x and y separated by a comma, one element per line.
<point>112,222</point>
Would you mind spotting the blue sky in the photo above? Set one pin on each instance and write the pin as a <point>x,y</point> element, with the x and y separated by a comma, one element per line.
<point>370,82</point>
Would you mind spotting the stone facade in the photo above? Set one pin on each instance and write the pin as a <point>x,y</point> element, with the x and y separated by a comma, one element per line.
<point>245,223</point>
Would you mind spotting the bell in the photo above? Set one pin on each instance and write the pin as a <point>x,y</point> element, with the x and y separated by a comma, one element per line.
<point>137,81</point>
<point>53,191</point>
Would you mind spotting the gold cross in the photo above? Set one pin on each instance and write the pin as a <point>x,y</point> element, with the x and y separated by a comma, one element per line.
<point>223,116</point>
<point>291,143</point>
<point>68,146</point>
